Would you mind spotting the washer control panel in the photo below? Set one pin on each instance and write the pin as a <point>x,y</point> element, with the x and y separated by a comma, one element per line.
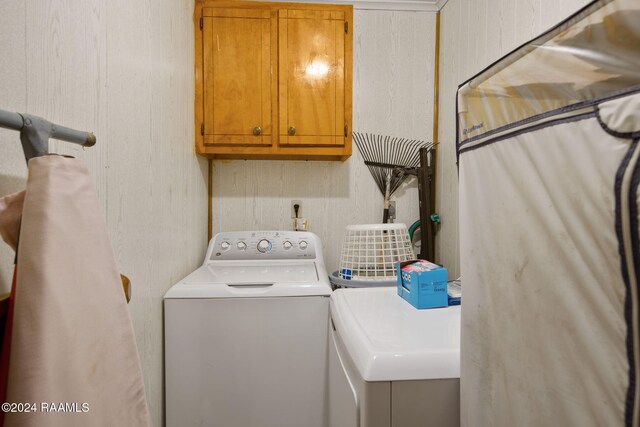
<point>254,245</point>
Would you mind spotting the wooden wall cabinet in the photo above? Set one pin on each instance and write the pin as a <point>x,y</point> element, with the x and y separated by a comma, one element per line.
<point>273,80</point>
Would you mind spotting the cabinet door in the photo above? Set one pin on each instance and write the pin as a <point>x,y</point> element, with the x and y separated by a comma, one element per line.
<point>312,77</point>
<point>237,80</point>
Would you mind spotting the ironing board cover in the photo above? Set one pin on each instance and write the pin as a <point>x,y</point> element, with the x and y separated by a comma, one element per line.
<point>73,356</point>
<point>549,168</point>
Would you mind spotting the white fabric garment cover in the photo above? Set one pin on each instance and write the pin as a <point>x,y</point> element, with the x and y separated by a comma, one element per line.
<point>549,228</point>
<point>72,340</point>
<point>544,332</point>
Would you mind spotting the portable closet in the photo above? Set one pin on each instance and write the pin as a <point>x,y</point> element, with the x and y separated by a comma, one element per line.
<point>549,170</point>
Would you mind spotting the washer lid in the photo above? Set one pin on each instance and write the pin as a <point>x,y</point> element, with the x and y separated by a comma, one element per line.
<point>232,279</point>
<point>388,339</point>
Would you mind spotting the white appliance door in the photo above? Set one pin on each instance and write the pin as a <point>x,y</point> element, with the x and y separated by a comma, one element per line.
<point>242,279</point>
<point>258,272</point>
<point>246,362</point>
<point>344,407</point>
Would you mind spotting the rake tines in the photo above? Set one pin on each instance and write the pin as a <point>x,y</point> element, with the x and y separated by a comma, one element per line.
<point>385,157</point>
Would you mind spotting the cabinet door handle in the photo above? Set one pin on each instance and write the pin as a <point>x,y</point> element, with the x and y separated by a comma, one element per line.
<point>257,130</point>
<point>292,131</point>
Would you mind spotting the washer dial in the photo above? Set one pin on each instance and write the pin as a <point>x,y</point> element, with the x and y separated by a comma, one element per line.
<point>264,245</point>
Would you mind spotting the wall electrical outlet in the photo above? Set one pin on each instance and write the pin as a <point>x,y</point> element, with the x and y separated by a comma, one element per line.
<point>293,210</point>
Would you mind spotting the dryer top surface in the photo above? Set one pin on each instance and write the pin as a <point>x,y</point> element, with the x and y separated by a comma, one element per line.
<point>388,339</point>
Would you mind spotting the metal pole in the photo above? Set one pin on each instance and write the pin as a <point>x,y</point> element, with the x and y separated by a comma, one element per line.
<point>10,120</point>
<point>86,139</point>
<point>36,131</point>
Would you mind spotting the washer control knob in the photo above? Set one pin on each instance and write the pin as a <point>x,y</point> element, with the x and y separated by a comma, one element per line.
<point>303,245</point>
<point>241,246</point>
<point>287,245</point>
<point>225,245</point>
<point>264,245</point>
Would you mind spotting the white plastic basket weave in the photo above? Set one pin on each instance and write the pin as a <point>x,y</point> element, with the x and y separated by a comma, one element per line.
<point>370,251</point>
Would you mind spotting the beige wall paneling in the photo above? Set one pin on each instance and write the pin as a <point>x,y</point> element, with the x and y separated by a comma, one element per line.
<point>13,97</point>
<point>473,35</point>
<point>122,70</point>
<point>393,93</point>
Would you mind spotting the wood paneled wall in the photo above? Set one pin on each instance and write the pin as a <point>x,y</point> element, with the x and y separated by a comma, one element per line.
<point>392,95</point>
<point>473,34</point>
<point>123,70</point>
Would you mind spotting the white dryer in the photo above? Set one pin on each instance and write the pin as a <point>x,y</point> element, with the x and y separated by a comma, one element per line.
<point>246,334</point>
<point>392,365</point>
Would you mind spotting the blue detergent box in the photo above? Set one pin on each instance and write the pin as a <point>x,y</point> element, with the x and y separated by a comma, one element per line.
<point>422,284</point>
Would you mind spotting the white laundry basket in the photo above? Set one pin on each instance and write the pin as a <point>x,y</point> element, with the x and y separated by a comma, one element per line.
<point>370,251</point>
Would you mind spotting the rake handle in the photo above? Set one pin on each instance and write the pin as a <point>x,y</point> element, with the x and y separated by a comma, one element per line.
<point>387,195</point>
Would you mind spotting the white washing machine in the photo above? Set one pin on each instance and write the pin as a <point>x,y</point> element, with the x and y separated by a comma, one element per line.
<point>246,334</point>
<point>392,365</point>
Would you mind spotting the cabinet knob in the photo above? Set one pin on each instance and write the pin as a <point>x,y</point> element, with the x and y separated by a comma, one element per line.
<point>257,130</point>
<point>292,131</point>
